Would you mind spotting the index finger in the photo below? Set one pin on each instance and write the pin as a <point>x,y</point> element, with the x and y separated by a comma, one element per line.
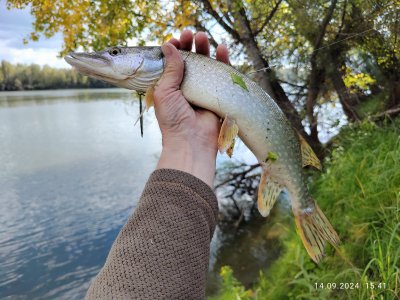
<point>175,42</point>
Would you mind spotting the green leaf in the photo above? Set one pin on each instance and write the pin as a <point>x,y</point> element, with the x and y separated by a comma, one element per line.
<point>237,79</point>
<point>272,156</point>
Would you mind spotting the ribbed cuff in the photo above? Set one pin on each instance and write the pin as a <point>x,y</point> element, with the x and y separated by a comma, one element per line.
<point>195,184</point>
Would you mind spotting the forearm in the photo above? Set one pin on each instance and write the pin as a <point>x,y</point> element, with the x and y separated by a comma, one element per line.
<point>192,158</point>
<point>163,250</point>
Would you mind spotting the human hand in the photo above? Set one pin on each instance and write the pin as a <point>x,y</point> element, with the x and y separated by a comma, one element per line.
<point>190,135</point>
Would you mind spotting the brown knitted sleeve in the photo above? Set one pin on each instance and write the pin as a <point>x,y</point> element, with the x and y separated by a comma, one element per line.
<point>162,252</point>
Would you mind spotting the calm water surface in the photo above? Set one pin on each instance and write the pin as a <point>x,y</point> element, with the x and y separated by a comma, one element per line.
<point>72,167</point>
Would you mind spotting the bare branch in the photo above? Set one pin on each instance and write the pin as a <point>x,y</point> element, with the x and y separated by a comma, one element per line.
<point>293,84</point>
<point>269,18</point>
<point>239,175</point>
<point>324,25</point>
<point>199,26</point>
<point>342,20</point>
<point>393,112</point>
<point>219,19</point>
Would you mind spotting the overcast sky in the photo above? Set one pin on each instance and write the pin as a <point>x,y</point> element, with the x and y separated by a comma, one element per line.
<point>15,25</point>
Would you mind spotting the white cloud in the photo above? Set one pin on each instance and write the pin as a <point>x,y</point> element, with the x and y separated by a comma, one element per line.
<point>15,24</point>
<point>28,55</point>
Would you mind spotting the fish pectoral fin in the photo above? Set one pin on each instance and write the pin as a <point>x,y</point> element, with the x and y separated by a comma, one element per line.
<point>227,135</point>
<point>315,229</point>
<point>149,97</point>
<point>268,192</point>
<point>309,158</point>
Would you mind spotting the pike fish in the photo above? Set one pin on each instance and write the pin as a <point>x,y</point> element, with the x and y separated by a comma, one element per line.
<point>248,111</point>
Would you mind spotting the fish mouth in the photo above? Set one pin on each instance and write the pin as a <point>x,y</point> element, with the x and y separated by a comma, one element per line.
<point>86,60</point>
<point>90,64</point>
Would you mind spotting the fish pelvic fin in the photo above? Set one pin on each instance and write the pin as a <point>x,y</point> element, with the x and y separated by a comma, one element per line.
<point>149,97</point>
<point>268,192</point>
<point>315,229</point>
<point>148,100</point>
<point>227,135</point>
<point>309,158</point>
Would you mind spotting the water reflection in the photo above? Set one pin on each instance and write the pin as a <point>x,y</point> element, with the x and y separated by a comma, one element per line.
<point>59,228</point>
<point>71,173</point>
<point>72,169</point>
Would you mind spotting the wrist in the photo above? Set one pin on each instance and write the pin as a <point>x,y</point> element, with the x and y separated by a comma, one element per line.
<point>190,157</point>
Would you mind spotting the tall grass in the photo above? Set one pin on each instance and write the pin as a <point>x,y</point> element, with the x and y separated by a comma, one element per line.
<point>359,191</point>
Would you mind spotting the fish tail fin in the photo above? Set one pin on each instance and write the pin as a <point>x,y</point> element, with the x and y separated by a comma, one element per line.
<point>315,229</point>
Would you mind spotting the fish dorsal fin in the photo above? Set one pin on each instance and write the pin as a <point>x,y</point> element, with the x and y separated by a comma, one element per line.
<point>307,154</point>
<point>227,135</point>
<point>268,192</point>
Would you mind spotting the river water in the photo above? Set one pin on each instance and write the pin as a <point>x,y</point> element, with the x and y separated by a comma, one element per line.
<point>72,167</point>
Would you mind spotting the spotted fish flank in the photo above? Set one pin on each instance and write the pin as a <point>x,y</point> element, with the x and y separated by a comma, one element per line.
<point>261,124</point>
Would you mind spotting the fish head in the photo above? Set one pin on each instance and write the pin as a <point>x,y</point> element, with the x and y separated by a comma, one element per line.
<point>134,68</point>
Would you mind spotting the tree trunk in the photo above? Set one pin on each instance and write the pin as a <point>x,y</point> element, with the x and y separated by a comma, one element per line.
<point>316,79</point>
<point>267,78</point>
<point>394,97</point>
<point>348,101</point>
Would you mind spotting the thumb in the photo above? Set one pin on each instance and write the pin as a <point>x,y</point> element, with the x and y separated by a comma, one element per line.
<point>173,70</point>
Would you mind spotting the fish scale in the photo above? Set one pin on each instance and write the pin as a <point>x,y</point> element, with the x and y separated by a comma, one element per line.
<point>262,125</point>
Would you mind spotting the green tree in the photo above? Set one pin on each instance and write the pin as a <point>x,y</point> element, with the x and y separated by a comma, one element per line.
<point>33,77</point>
<point>8,71</point>
<point>18,84</point>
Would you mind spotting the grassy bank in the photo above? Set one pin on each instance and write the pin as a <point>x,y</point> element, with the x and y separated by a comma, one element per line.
<point>359,191</point>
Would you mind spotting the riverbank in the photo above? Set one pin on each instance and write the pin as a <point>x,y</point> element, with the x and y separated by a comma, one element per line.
<point>23,77</point>
<point>359,191</point>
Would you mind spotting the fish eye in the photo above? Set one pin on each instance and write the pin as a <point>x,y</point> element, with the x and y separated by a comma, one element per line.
<point>114,51</point>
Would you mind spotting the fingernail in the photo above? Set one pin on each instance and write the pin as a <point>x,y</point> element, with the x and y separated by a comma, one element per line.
<point>166,49</point>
